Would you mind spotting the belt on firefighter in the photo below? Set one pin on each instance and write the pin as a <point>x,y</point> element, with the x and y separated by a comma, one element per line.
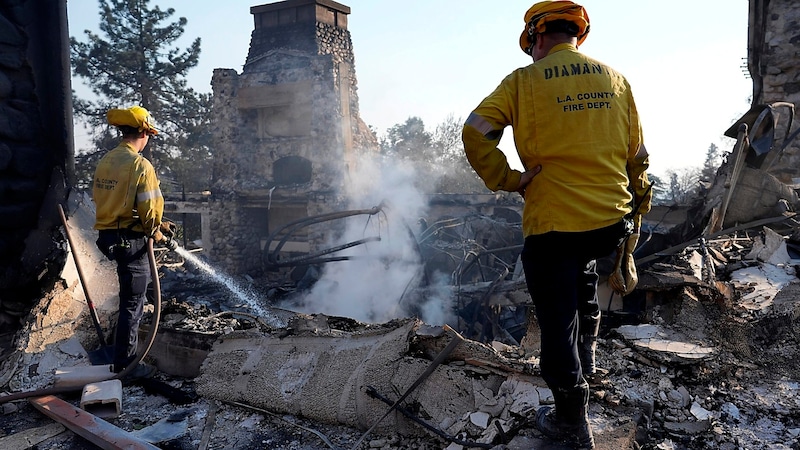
<point>127,234</point>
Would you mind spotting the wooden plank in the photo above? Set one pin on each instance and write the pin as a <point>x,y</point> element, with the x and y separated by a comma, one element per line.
<point>31,437</point>
<point>92,428</point>
<point>675,249</point>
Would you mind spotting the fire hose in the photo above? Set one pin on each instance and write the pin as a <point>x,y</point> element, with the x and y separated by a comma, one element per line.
<point>148,343</point>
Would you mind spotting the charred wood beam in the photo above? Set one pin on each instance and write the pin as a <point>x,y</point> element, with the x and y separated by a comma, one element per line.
<point>742,143</point>
<point>481,287</point>
<point>485,307</point>
<point>675,249</point>
<point>475,354</point>
<point>88,426</point>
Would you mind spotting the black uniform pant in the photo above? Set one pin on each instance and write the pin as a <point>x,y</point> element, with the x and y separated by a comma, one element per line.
<point>562,281</point>
<point>129,250</point>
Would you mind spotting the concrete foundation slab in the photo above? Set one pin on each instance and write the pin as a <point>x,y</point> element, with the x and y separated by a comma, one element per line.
<point>29,438</point>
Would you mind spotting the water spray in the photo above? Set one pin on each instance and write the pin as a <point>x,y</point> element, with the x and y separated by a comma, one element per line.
<point>148,342</point>
<point>226,281</point>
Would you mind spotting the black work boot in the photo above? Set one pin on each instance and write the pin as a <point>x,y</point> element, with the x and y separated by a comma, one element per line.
<point>569,421</point>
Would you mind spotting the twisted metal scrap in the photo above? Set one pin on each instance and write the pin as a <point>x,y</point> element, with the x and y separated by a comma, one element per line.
<point>289,229</point>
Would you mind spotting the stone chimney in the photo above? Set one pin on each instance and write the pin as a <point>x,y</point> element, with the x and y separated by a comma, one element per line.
<point>294,24</point>
<point>772,62</point>
<point>287,131</point>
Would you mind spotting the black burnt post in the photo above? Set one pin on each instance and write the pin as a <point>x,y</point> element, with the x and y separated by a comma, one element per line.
<point>36,151</point>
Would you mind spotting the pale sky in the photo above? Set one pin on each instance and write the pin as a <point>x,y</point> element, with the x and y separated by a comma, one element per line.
<point>684,59</point>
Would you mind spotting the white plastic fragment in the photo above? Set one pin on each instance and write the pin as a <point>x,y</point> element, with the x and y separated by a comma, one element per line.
<point>699,412</point>
<point>479,419</point>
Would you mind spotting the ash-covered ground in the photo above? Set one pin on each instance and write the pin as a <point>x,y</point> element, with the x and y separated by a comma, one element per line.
<point>692,364</point>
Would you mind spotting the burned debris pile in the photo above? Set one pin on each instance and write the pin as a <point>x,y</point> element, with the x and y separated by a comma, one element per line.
<point>702,355</point>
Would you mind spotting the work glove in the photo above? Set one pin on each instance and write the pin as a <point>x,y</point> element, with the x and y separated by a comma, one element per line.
<point>168,229</point>
<point>624,277</point>
<point>159,237</point>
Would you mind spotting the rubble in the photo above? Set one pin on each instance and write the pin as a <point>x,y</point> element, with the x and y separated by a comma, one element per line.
<point>701,356</point>
<point>704,369</point>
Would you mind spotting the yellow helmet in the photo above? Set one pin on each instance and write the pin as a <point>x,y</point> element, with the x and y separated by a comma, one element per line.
<point>541,13</point>
<point>134,117</point>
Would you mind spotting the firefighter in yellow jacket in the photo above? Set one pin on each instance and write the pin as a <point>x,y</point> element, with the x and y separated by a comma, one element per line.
<point>578,135</point>
<point>129,209</point>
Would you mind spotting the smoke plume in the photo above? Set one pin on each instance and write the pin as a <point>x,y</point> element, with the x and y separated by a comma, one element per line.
<point>377,284</point>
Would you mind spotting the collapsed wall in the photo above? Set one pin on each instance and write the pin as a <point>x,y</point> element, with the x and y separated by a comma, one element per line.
<point>287,131</point>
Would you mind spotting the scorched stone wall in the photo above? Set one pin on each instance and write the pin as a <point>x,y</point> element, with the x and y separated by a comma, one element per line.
<point>36,159</point>
<point>287,131</point>
<point>774,63</point>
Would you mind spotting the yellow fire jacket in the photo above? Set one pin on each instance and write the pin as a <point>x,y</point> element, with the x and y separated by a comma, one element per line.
<point>575,117</point>
<point>126,192</point>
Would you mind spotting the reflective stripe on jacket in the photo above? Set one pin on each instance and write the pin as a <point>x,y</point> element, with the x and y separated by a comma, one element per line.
<point>126,192</point>
<point>575,117</point>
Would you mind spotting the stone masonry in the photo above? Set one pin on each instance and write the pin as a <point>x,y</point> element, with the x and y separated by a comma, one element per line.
<point>287,132</point>
<point>773,56</point>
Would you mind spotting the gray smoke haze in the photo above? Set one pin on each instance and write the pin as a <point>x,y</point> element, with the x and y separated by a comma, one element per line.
<point>371,286</point>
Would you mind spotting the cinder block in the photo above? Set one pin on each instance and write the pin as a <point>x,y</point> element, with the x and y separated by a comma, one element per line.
<point>81,375</point>
<point>103,399</point>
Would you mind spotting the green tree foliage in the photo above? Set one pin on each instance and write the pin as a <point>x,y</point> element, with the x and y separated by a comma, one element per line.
<point>438,157</point>
<point>134,62</point>
<point>411,143</point>
<point>407,141</point>
<point>458,177</point>
<point>711,164</point>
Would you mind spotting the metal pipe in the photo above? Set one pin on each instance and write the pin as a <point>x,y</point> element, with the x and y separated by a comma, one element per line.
<point>457,339</point>
<point>742,142</point>
<point>309,259</point>
<point>372,392</point>
<point>291,227</point>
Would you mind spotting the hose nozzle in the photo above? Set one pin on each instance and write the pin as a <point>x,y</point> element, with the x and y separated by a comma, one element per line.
<point>171,244</point>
